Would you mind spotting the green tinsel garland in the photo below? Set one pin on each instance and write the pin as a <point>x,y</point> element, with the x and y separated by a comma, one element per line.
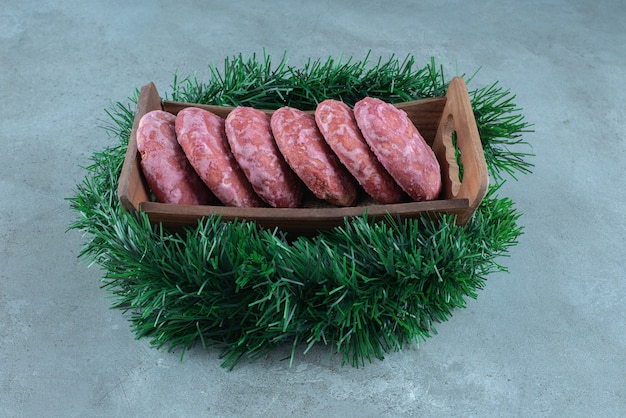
<point>365,288</point>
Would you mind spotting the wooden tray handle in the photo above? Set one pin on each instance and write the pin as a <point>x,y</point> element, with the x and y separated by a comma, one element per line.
<point>131,189</point>
<point>458,117</point>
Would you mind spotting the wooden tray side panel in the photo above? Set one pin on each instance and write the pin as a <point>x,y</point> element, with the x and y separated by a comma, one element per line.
<point>458,117</point>
<point>132,189</point>
<point>424,113</point>
<point>296,221</point>
<point>221,111</point>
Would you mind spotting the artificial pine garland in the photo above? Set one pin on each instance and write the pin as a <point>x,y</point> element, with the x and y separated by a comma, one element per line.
<point>364,289</point>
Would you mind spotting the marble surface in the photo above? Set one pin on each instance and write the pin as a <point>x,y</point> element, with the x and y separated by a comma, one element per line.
<point>546,339</point>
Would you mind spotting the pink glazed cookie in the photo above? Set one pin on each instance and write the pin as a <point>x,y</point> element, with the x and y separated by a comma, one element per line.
<point>164,164</point>
<point>310,157</point>
<point>336,122</point>
<point>250,137</point>
<point>399,147</point>
<point>202,136</point>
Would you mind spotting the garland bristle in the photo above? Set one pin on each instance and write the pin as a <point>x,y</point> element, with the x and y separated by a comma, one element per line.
<point>263,85</point>
<point>501,126</point>
<point>364,289</point>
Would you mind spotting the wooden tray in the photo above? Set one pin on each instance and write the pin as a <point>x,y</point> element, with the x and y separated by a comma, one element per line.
<point>436,118</point>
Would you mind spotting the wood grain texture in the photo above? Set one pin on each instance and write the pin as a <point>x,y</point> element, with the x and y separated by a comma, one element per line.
<point>132,189</point>
<point>458,116</point>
